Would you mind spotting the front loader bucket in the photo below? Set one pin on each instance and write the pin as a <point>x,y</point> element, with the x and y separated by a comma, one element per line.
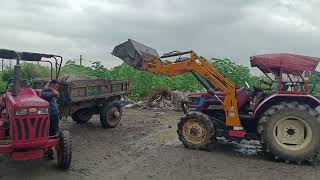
<point>134,53</point>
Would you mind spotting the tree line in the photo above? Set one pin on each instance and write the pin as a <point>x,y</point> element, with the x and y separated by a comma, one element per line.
<point>143,82</point>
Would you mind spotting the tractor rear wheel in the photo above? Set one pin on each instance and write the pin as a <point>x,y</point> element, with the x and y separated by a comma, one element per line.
<point>291,132</point>
<point>111,114</point>
<point>82,116</point>
<point>196,130</point>
<point>64,150</point>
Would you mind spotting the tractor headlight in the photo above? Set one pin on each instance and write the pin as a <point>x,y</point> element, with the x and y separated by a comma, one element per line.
<point>21,112</point>
<point>43,111</point>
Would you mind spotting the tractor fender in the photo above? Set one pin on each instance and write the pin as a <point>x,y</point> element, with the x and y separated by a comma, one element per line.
<point>277,98</point>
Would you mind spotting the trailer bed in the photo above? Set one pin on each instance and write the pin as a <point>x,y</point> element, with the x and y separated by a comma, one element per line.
<point>83,90</point>
<point>79,94</point>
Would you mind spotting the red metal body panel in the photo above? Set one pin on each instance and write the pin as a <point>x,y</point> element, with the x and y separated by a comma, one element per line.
<point>200,94</point>
<point>30,150</point>
<point>312,101</point>
<point>31,127</point>
<point>28,133</point>
<point>288,62</point>
<point>2,130</point>
<point>241,95</point>
<point>26,99</point>
<point>26,155</point>
<point>236,133</point>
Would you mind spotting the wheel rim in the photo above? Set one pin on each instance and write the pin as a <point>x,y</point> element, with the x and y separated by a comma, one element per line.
<point>292,133</point>
<point>113,114</point>
<point>194,131</point>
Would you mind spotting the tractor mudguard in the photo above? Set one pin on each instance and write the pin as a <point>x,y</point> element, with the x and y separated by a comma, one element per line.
<point>277,98</point>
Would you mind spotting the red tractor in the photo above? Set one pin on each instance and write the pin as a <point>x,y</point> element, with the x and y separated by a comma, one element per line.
<point>24,121</point>
<point>282,116</point>
<point>284,119</point>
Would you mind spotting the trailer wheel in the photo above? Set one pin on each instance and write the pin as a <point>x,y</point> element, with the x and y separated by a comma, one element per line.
<point>111,114</point>
<point>196,130</point>
<point>82,116</point>
<point>291,132</point>
<point>64,150</point>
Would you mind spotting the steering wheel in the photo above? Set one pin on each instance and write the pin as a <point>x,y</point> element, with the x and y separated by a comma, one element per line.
<point>23,83</point>
<point>26,83</point>
<point>252,91</point>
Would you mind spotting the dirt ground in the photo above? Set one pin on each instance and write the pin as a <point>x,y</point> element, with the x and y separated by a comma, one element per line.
<point>145,146</point>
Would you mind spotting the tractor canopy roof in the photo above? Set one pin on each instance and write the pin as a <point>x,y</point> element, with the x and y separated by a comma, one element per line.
<point>289,63</point>
<point>26,56</point>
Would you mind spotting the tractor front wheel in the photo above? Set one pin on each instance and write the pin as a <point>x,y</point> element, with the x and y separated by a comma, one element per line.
<point>196,130</point>
<point>291,132</point>
<point>64,150</point>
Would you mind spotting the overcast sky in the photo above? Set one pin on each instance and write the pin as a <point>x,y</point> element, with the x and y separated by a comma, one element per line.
<point>233,29</point>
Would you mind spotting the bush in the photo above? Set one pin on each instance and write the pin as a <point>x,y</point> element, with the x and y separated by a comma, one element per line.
<point>29,71</point>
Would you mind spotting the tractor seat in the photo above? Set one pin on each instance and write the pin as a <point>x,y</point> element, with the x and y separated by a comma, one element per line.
<point>241,96</point>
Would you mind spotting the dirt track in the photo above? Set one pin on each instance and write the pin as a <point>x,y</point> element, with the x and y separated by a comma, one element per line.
<point>145,146</point>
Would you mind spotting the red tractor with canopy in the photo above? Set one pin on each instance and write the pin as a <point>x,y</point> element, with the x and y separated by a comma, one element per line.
<point>284,118</point>
<point>24,121</point>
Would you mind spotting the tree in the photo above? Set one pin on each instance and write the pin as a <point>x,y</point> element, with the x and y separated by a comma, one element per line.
<point>313,84</point>
<point>236,73</point>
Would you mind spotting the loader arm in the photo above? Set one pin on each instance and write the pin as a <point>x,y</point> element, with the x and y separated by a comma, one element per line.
<point>147,59</point>
<point>202,67</point>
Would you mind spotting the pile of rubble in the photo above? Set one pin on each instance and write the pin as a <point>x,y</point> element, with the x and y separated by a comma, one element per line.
<point>160,100</point>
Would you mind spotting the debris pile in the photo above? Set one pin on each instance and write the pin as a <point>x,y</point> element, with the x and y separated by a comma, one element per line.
<point>134,104</point>
<point>160,99</point>
<point>177,97</point>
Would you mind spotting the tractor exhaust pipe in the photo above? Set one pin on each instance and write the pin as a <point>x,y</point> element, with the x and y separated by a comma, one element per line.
<point>17,76</point>
<point>134,53</point>
<point>17,80</point>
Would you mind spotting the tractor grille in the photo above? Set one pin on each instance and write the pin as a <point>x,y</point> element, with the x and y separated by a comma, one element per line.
<point>31,128</point>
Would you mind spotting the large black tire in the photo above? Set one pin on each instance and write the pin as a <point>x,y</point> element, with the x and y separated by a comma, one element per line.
<point>64,150</point>
<point>196,130</point>
<point>82,116</point>
<point>110,114</point>
<point>269,129</point>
